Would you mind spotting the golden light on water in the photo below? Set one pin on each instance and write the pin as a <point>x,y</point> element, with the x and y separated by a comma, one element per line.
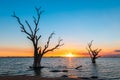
<point>69,55</point>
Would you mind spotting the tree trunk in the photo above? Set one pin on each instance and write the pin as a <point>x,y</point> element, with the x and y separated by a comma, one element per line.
<point>93,60</point>
<point>37,59</point>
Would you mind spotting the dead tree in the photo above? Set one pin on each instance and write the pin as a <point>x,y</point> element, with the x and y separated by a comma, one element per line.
<point>33,36</point>
<point>93,52</point>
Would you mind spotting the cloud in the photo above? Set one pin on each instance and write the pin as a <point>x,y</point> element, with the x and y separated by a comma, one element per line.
<point>117,51</point>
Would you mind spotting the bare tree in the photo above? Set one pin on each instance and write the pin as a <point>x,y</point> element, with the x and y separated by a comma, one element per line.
<point>34,38</point>
<point>93,52</point>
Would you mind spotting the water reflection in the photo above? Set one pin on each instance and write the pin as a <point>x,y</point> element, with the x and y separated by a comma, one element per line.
<point>94,68</point>
<point>71,69</point>
<point>70,63</point>
<point>37,72</point>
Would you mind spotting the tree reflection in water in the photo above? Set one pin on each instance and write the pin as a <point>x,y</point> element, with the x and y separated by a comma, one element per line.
<point>94,68</point>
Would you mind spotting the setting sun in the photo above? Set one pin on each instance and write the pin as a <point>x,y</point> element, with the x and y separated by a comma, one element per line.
<point>69,55</point>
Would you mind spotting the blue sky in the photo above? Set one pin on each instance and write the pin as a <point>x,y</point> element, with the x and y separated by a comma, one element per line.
<point>76,21</point>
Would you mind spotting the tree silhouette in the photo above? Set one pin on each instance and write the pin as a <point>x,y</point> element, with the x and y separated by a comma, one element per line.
<point>93,52</point>
<point>33,36</point>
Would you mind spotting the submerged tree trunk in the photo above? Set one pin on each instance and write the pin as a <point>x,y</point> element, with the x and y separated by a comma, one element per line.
<point>37,59</point>
<point>93,60</point>
<point>37,62</point>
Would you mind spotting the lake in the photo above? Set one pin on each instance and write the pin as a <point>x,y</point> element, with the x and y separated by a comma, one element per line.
<point>104,68</point>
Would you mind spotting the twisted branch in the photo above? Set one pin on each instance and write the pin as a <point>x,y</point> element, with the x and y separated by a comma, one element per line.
<point>93,53</point>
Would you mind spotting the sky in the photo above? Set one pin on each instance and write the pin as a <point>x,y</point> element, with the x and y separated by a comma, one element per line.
<point>77,22</point>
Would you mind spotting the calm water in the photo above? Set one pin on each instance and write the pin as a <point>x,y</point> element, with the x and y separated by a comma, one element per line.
<point>105,67</point>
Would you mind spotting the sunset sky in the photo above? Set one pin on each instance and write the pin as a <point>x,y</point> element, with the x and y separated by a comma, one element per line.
<point>77,22</point>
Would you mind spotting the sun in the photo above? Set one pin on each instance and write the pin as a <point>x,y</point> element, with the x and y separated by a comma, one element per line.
<point>69,55</point>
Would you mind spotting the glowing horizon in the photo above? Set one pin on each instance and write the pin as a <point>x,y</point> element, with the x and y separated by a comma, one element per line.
<point>7,52</point>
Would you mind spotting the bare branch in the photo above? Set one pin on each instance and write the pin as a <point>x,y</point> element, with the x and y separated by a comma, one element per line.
<point>56,47</point>
<point>40,50</point>
<point>50,38</point>
<point>18,19</point>
<point>38,37</point>
<point>37,20</point>
<point>48,42</point>
<point>38,14</point>
<point>90,45</point>
<point>93,52</point>
<point>99,50</point>
<point>22,26</point>
<point>29,26</point>
<point>89,52</point>
<point>29,38</point>
<point>98,57</point>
